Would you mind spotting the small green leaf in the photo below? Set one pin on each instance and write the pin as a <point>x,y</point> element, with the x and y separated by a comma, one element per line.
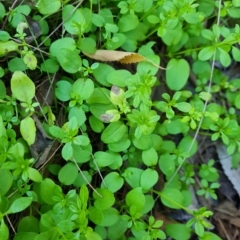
<point>113,132</point>
<point>183,106</point>
<point>78,113</point>
<point>225,58</point>
<point>150,157</point>
<point>136,198</point>
<point>110,217</point>
<point>113,181</point>
<point>209,236</point>
<point>206,53</point>
<point>28,224</point>
<point>2,14</point>
<point>148,179</point>
<point>48,190</point>
<point>177,73</point>
<point>68,174</point>
<point>132,176</point>
<point>103,159</point>
<point>6,180</point>
<point>105,201</point>
<point>128,22</point>
<point>4,36</point>
<point>28,130</point>
<point>87,45</point>
<point>172,198</point>
<point>178,231</point>
<point>20,204</point>
<point>167,164</point>
<point>66,42</point>
<point>63,90</point>
<point>4,232</point>
<point>50,66</point>
<point>48,7</point>
<point>69,60</point>
<point>236,54</point>
<point>22,87</point>
<point>67,151</point>
<point>34,175</point>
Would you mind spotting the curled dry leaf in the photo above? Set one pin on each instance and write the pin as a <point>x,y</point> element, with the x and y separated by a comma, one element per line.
<point>119,56</point>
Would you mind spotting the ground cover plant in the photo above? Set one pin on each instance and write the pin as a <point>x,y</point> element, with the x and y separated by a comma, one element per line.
<point>103,105</point>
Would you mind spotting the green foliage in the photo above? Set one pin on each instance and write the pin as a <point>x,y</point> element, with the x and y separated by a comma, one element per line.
<point>120,146</point>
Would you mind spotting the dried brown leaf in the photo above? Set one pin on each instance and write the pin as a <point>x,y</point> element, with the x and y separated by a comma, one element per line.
<point>119,56</point>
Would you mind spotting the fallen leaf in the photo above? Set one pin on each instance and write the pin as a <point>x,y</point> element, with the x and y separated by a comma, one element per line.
<point>119,56</point>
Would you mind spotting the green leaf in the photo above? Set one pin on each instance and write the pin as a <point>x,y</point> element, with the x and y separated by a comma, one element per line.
<point>148,179</point>
<point>113,181</point>
<point>136,198</point>
<point>22,87</point>
<point>225,58</point>
<point>143,143</point>
<point>103,159</point>
<point>4,36</point>
<point>68,174</point>
<point>56,132</point>
<point>66,42</point>
<point>118,229</point>
<point>3,91</point>
<point>83,87</point>
<point>183,106</point>
<point>118,77</point>
<point>28,130</point>
<point>80,180</point>
<point>172,198</point>
<point>178,231</point>
<point>4,232</point>
<point>6,47</point>
<point>150,157</point>
<point>2,14</point>
<point>237,101</point>
<point>95,215</point>
<point>34,175</point>
<point>206,53</point>
<point>28,224</point>
<point>113,132</point>
<point>73,20</point>
<point>128,22</point>
<point>97,20</point>
<point>6,180</point>
<point>16,64</point>
<point>132,176</point>
<point>84,194</point>
<point>50,66</point>
<point>236,54</point>
<point>167,164</point>
<point>96,125</point>
<point>110,217</point>
<point>209,236</point>
<point>105,201</point>
<point>67,151</point>
<point>177,73</point>
<point>120,146</point>
<point>78,113</point>
<point>63,90</point>
<point>69,60</point>
<point>101,73</point>
<point>81,140</point>
<point>87,45</point>
<point>48,7</point>
<point>48,190</point>
<point>20,204</point>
